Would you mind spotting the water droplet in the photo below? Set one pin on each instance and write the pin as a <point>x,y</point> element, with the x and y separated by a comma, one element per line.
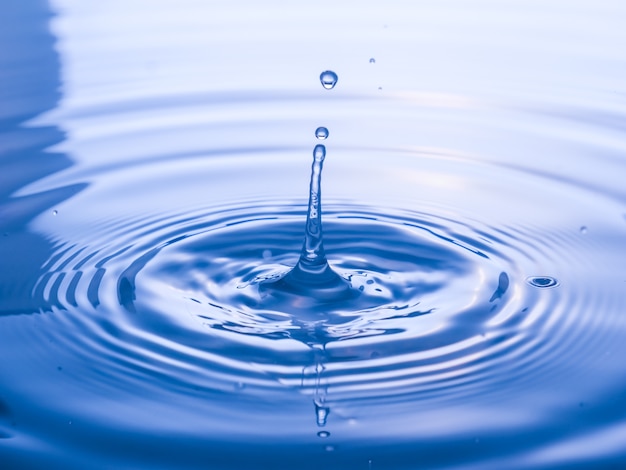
<point>321,133</point>
<point>267,254</point>
<point>323,434</point>
<point>380,88</point>
<point>583,230</point>
<point>328,79</point>
<point>321,414</point>
<point>329,448</point>
<point>542,281</point>
<point>372,61</point>
<point>55,212</point>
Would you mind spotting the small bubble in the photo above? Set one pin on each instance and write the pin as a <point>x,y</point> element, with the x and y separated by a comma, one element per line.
<point>323,434</point>
<point>583,230</point>
<point>319,152</point>
<point>542,281</point>
<point>55,212</point>
<point>328,79</point>
<point>372,61</point>
<point>321,133</point>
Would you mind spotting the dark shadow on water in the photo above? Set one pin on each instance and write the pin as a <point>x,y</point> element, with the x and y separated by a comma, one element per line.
<point>29,86</point>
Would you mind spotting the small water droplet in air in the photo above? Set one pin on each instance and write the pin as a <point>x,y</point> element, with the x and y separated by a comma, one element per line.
<point>267,254</point>
<point>372,61</point>
<point>55,212</point>
<point>328,79</point>
<point>583,230</point>
<point>323,434</point>
<point>321,414</point>
<point>321,133</point>
<point>329,448</point>
<point>542,281</point>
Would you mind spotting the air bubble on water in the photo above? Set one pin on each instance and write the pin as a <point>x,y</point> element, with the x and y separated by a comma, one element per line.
<point>328,79</point>
<point>372,61</point>
<point>542,281</point>
<point>583,230</point>
<point>321,133</point>
<point>323,434</point>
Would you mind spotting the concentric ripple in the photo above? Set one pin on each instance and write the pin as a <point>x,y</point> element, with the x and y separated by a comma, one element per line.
<point>446,302</point>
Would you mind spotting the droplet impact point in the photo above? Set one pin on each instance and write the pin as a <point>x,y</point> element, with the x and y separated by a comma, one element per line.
<point>328,79</point>
<point>542,282</point>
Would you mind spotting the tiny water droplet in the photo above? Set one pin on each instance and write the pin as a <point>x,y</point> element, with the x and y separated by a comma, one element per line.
<point>55,212</point>
<point>321,414</point>
<point>542,281</point>
<point>329,448</point>
<point>372,61</point>
<point>328,79</point>
<point>583,230</point>
<point>323,434</point>
<point>380,88</point>
<point>321,133</point>
<point>267,254</point>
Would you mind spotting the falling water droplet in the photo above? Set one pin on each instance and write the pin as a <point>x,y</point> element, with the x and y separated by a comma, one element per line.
<point>323,434</point>
<point>55,212</point>
<point>328,79</point>
<point>321,133</point>
<point>542,281</point>
<point>583,230</point>
<point>372,61</point>
<point>321,414</point>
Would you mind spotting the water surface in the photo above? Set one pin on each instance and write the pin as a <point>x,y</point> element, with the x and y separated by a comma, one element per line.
<point>155,167</point>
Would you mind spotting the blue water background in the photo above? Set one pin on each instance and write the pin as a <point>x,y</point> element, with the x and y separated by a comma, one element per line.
<point>485,138</point>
